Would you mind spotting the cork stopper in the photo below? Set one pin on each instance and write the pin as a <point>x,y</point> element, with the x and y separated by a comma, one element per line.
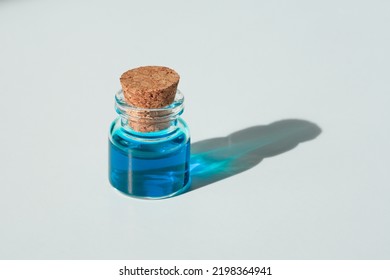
<point>149,87</point>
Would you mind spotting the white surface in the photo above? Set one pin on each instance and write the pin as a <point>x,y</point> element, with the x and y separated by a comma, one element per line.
<point>242,64</point>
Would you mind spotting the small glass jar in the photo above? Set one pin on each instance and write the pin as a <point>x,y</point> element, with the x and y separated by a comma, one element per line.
<point>149,150</point>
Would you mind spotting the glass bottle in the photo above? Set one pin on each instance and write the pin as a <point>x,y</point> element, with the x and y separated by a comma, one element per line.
<point>149,164</point>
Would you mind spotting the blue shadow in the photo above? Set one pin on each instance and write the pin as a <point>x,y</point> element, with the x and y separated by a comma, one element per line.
<point>215,159</point>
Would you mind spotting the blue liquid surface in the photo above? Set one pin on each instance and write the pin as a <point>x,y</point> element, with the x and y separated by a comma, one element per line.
<point>149,169</point>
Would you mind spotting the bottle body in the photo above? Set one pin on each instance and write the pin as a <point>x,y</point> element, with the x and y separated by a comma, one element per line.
<point>149,164</point>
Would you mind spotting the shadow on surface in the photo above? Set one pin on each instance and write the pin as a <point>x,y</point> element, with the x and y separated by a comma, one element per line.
<point>219,158</point>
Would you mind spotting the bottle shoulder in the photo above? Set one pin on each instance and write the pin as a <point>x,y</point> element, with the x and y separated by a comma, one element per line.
<point>125,139</point>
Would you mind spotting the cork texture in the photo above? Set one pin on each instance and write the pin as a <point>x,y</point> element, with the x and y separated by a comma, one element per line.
<point>149,87</point>
<point>146,121</point>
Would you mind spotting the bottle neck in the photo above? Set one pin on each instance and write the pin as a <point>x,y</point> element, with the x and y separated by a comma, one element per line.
<point>149,120</point>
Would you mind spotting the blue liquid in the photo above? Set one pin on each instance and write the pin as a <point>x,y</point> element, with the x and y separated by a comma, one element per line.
<point>152,167</point>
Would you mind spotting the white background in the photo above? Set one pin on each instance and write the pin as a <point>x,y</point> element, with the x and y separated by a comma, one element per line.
<point>242,64</point>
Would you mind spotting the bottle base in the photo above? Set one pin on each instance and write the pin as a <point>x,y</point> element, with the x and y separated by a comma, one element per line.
<point>184,189</point>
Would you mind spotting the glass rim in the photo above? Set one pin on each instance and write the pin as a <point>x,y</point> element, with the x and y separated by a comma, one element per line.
<point>121,103</point>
